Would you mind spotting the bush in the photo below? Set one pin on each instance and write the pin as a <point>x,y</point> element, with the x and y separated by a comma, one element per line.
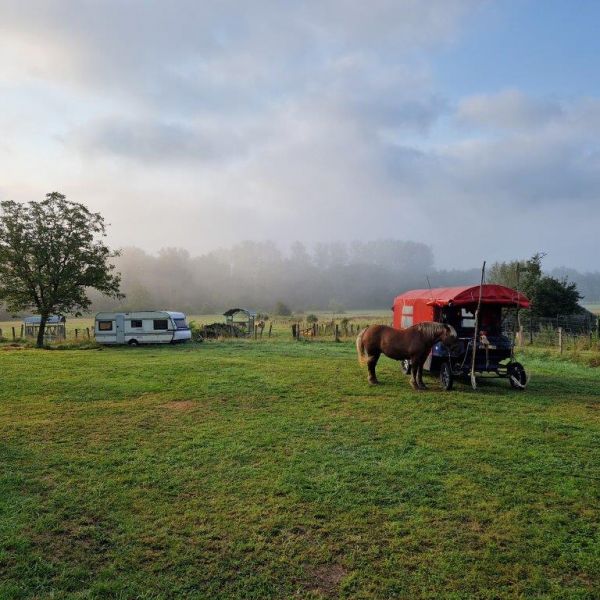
<point>195,329</point>
<point>282,309</point>
<point>312,318</point>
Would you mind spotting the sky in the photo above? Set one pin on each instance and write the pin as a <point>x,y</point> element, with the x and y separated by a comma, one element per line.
<point>472,126</point>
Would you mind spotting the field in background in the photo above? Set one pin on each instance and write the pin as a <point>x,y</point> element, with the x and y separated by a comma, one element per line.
<point>245,469</point>
<point>595,308</point>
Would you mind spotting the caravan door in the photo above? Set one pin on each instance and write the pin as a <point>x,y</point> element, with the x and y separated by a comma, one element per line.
<point>120,323</point>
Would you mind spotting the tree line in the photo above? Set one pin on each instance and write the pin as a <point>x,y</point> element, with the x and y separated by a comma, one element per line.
<point>259,275</point>
<point>337,275</point>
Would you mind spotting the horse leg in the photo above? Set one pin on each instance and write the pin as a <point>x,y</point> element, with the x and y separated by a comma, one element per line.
<point>371,364</point>
<point>420,383</point>
<point>414,366</point>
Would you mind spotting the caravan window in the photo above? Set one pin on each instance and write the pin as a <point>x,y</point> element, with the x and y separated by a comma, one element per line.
<point>467,319</point>
<point>161,324</point>
<point>407,316</point>
<point>181,324</point>
<point>136,323</point>
<point>105,325</point>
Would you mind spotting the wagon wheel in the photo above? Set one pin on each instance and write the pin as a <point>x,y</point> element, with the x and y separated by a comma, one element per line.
<point>446,376</point>
<point>406,366</point>
<point>517,376</point>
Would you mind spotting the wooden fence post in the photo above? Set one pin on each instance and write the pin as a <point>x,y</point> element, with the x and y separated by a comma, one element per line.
<point>87,329</point>
<point>14,335</point>
<point>270,328</point>
<point>530,331</point>
<point>560,340</point>
<point>337,332</point>
<point>76,333</point>
<point>21,331</point>
<point>520,334</point>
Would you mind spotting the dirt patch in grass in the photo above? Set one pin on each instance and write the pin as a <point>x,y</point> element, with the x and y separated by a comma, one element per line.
<point>326,578</point>
<point>179,405</point>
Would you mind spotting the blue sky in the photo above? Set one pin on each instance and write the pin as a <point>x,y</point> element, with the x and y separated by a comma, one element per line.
<point>542,47</point>
<point>470,125</point>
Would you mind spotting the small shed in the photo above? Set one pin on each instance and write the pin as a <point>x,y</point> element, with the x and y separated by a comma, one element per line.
<point>56,327</point>
<point>242,318</point>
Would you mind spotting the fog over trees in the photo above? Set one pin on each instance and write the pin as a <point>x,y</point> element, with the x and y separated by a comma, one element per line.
<point>355,275</point>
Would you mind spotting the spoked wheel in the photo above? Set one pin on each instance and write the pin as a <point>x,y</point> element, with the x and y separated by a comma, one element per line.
<point>406,366</point>
<point>517,377</point>
<point>446,376</point>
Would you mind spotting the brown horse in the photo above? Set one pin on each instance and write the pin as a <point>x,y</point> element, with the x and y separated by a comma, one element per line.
<point>413,343</point>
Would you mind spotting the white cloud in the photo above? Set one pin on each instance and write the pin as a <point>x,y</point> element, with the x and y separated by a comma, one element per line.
<point>509,109</point>
<point>211,122</point>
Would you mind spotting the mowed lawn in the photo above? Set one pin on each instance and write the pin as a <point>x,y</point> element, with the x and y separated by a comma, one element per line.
<point>272,470</point>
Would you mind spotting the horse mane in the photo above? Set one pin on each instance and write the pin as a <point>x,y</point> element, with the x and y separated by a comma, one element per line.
<point>431,328</point>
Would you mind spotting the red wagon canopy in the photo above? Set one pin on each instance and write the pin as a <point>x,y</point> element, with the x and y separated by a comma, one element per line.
<point>491,293</point>
<point>417,306</point>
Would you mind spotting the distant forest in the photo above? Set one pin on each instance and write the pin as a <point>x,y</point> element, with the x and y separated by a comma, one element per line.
<point>356,275</point>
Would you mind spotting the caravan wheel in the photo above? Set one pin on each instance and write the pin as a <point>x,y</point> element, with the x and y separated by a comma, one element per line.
<point>517,376</point>
<point>446,376</point>
<point>133,343</point>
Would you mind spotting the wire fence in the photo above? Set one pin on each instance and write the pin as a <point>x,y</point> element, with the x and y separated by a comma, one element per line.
<point>565,332</point>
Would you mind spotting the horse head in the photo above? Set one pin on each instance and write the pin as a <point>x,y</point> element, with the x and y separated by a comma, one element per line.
<point>449,337</point>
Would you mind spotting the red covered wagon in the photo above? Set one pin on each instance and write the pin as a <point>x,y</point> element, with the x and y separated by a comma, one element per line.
<point>456,306</point>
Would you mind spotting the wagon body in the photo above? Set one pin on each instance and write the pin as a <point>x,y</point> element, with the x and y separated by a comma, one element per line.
<point>456,306</point>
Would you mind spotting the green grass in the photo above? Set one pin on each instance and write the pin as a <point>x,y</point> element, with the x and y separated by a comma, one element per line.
<point>272,470</point>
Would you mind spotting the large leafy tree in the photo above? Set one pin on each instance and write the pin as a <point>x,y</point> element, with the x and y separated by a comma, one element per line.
<point>549,296</point>
<point>51,252</point>
<point>555,297</point>
<point>522,275</point>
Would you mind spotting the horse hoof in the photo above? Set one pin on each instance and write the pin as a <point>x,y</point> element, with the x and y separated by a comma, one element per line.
<point>373,382</point>
<point>423,387</point>
<point>415,387</point>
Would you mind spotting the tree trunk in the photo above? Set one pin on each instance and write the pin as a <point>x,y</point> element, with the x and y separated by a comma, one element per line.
<point>41,331</point>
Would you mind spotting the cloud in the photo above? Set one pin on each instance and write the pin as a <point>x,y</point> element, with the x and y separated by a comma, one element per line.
<point>509,109</point>
<point>200,51</point>
<point>283,121</point>
<point>153,141</point>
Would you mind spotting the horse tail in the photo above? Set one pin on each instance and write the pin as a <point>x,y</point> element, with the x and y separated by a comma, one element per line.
<point>360,348</point>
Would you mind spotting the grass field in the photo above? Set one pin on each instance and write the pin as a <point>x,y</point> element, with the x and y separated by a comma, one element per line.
<point>272,470</point>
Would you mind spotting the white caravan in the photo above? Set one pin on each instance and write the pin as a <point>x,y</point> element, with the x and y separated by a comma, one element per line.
<point>143,327</point>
